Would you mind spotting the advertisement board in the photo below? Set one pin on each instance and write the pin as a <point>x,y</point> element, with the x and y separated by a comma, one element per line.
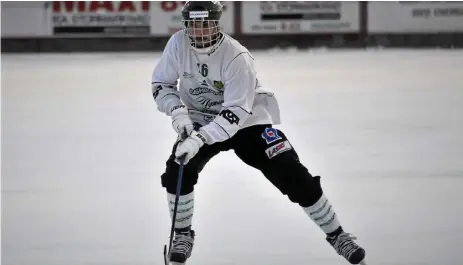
<point>166,17</point>
<point>295,17</point>
<point>101,17</point>
<point>25,19</point>
<point>419,16</point>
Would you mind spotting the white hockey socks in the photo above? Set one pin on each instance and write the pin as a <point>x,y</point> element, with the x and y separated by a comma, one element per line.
<point>322,213</point>
<point>184,209</point>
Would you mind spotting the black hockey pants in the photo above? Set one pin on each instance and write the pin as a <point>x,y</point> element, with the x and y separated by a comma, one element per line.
<point>262,147</point>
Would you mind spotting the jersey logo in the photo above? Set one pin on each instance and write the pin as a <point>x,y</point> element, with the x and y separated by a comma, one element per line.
<point>204,90</point>
<point>207,102</point>
<point>270,135</point>
<point>203,83</point>
<point>230,116</point>
<point>187,75</point>
<point>208,118</point>
<point>218,84</point>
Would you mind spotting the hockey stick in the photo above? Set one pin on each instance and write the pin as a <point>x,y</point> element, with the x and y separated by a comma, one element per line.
<point>174,216</point>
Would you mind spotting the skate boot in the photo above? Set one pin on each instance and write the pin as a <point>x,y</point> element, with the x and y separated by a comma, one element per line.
<point>345,246</point>
<point>182,246</point>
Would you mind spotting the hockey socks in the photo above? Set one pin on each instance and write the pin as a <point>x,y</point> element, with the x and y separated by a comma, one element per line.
<point>322,213</point>
<point>184,210</point>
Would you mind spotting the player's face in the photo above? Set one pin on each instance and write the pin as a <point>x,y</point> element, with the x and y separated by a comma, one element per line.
<point>202,32</point>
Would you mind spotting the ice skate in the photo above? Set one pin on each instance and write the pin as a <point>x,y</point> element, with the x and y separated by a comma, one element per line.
<point>345,246</point>
<point>182,247</point>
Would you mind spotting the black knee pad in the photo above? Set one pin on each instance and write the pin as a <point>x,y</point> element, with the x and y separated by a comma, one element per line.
<point>303,188</point>
<point>170,177</point>
<point>293,179</point>
<point>309,192</point>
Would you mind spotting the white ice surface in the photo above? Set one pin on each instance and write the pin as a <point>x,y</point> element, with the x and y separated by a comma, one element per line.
<point>83,148</point>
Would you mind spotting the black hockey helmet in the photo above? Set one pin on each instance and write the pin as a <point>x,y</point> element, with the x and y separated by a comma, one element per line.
<point>200,21</point>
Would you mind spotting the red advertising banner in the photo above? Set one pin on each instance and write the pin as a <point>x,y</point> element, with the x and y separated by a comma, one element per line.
<point>100,17</point>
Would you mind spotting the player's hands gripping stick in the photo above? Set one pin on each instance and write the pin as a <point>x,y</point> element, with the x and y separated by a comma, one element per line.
<point>181,122</point>
<point>190,146</point>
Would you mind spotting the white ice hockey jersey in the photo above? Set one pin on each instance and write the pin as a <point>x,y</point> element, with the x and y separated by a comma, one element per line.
<point>220,90</point>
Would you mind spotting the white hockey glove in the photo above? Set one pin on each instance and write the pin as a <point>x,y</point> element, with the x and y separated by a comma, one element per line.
<point>181,122</point>
<point>190,146</point>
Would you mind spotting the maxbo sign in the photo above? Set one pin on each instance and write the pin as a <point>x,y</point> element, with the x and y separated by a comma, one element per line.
<point>87,17</point>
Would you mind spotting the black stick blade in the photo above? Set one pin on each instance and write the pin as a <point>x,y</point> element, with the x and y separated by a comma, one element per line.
<point>166,262</point>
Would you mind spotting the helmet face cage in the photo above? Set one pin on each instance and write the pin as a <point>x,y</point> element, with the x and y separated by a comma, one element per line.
<point>203,34</point>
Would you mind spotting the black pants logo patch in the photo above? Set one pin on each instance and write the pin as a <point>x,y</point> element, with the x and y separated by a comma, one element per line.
<point>278,149</point>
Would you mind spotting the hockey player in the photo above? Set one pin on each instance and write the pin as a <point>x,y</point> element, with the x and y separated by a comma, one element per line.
<point>220,105</point>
